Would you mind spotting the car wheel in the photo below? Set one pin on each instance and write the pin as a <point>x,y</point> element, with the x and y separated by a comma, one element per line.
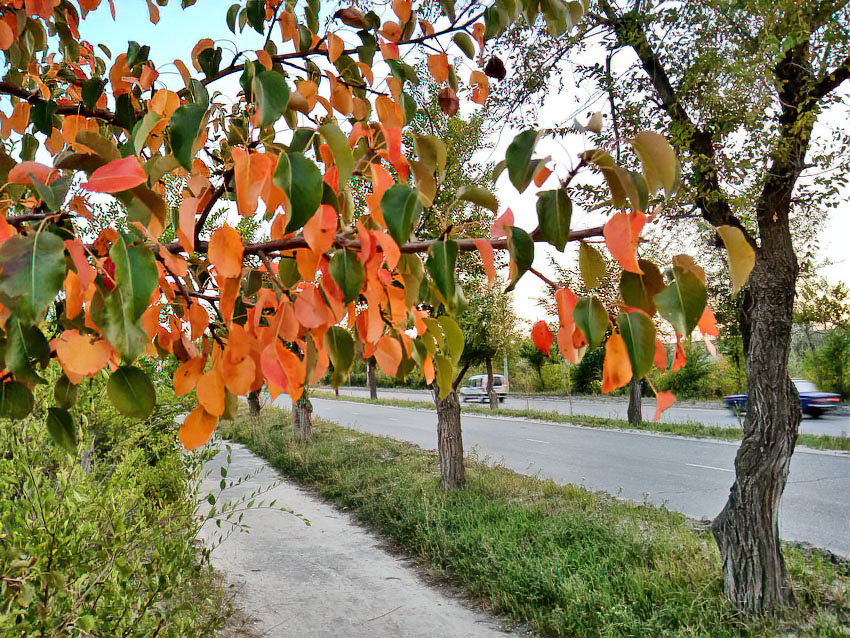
<point>815,413</point>
<point>501,399</point>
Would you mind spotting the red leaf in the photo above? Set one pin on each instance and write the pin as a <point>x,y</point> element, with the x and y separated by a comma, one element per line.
<point>20,174</point>
<point>661,358</point>
<point>501,225</point>
<point>485,249</point>
<point>708,323</point>
<point>118,175</point>
<point>542,337</point>
<point>663,400</point>
<point>679,360</point>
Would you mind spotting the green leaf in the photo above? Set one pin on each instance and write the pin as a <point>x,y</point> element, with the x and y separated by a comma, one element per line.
<point>591,264</point>
<point>343,157</point>
<point>682,302</point>
<point>41,116</point>
<point>64,392</point>
<point>624,192</point>
<point>401,207</point>
<point>480,196</point>
<point>441,265</point>
<point>432,153</point>
<point>210,61</point>
<point>454,341</point>
<point>554,210</point>
<point>271,95</point>
<point>143,129</point>
<point>301,180</point>
<point>465,44</point>
<point>340,347</point>
<point>183,129</point>
<point>125,334</point>
<point>60,426</point>
<point>32,271</point>
<point>131,392</point>
<point>590,315</point>
<point>348,273</point>
<point>136,275</point>
<point>556,16</point>
<point>444,374</point>
<point>232,14</point>
<point>518,159</point>
<point>638,291</point>
<point>92,90</point>
<point>256,13</point>
<point>16,400</point>
<point>521,249</point>
<point>25,344</point>
<point>638,333</point>
<point>660,165</point>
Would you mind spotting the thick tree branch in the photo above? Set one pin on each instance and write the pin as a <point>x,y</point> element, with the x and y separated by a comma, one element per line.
<point>710,199</point>
<point>830,81</point>
<point>34,97</point>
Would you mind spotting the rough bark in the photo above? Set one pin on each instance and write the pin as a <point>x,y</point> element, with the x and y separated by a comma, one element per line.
<point>302,417</point>
<point>371,378</point>
<point>634,412</point>
<point>254,403</point>
<point>491,388</point>
<point>449,440</point>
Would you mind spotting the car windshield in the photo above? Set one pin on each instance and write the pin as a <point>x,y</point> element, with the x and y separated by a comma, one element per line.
<point>805,386</point>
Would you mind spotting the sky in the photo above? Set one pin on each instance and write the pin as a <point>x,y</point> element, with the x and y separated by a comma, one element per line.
<point>179,30</point>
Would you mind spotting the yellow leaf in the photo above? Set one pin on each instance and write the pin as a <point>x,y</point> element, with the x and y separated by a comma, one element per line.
<point>741,255</point>
<point>660,164</point>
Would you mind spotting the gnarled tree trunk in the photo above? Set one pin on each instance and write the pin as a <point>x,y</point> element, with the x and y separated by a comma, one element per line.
<point>302,417</point>
<point>747,530</point>
<point>634,412</point>
<point>449,440</point>
<point>254,403</point>
<point>370,377</point>
<point>491,388</point>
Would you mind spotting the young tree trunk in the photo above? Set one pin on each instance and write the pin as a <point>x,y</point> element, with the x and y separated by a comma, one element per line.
<point>254,403</point>
<point>491,389</point>
<point>540,374</point>
<point>747,530</point>
<point>372,380</point>
<point>449,440</point>
<point>302,417</point>
<point>634,412</point>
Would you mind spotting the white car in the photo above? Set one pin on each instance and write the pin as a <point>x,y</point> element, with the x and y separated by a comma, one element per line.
<point>475,388</point>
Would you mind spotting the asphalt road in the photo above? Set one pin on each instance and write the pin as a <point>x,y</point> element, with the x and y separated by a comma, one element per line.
<point>687,475</point>
<point>615,407</point>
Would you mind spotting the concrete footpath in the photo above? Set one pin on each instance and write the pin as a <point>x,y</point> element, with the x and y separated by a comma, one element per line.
<point>331,578</point>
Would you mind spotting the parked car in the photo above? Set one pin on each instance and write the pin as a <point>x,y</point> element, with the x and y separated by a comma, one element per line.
<point>475,388</point>
<point>812,401</point>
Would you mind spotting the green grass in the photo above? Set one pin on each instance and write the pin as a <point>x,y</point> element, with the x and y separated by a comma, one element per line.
<point>691,428</point>
<point>565,561</point>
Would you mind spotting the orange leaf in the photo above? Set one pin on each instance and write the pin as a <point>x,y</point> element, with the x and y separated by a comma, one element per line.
<point>501,225</point>
<point>80,355</point>
<point>272,370</point>
<point>485,249</point>
<point>187,375</point>
<point>566,301</point>
<point>438,65</point>
<point>480,87</point>
<point>85,270</point>
<point>566,345</point>
<point>197,428</point>
<point>616,368</point>
<point>403,9</point>
<point>73,295</point>
<point>390,249</point>
<point>679,360</point>
<point>294,368</point>
<point>7,36</point>
<point>118,175</point>
<point>708,323</point>
<point>663,400</point>
<point>335,47</point>
<point>311,311</point>
<point>252,173</point>
<point>542,337</point>
<point>210,391</point>
<point>20,173</point>
<point>388,355</point>
<point>225,251</point>
<point>661,358</point>
<point>541,175</point>
<point>238,377</point>
<point>198,319</point>
<point>186,223</point>
<point>320,230</point>
<point>622,233</point>
<point>428,370</point>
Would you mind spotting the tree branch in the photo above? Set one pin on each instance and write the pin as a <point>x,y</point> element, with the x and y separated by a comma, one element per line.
<point>830,81</point>
<point>34,97</point>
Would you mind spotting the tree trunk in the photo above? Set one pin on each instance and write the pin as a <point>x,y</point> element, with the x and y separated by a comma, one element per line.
<point>302,417</point>
<point>491,389</point>
<point>540,374</point>
<point>254,403</point>
<point>373,381</point>
<point>747,530</point>
<point>635,392</point>
<point>449,440</point>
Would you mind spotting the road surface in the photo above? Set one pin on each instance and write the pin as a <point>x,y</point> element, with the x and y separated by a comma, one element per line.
<point>687,475</point>
<point>615,407</point>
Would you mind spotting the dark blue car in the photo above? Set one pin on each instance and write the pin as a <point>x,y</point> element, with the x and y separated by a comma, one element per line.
<point>813,401</point>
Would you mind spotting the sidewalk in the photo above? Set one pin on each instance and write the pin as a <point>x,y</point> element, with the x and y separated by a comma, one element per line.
<point>329,579</point>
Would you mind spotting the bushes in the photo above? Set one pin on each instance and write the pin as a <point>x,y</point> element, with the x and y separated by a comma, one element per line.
<point>700,378</point>
<point>828,364</point>
<point>102,543</point>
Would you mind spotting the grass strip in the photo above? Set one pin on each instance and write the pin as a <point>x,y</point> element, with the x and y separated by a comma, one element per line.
<point>565,561</point>
<point>690,428</point>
